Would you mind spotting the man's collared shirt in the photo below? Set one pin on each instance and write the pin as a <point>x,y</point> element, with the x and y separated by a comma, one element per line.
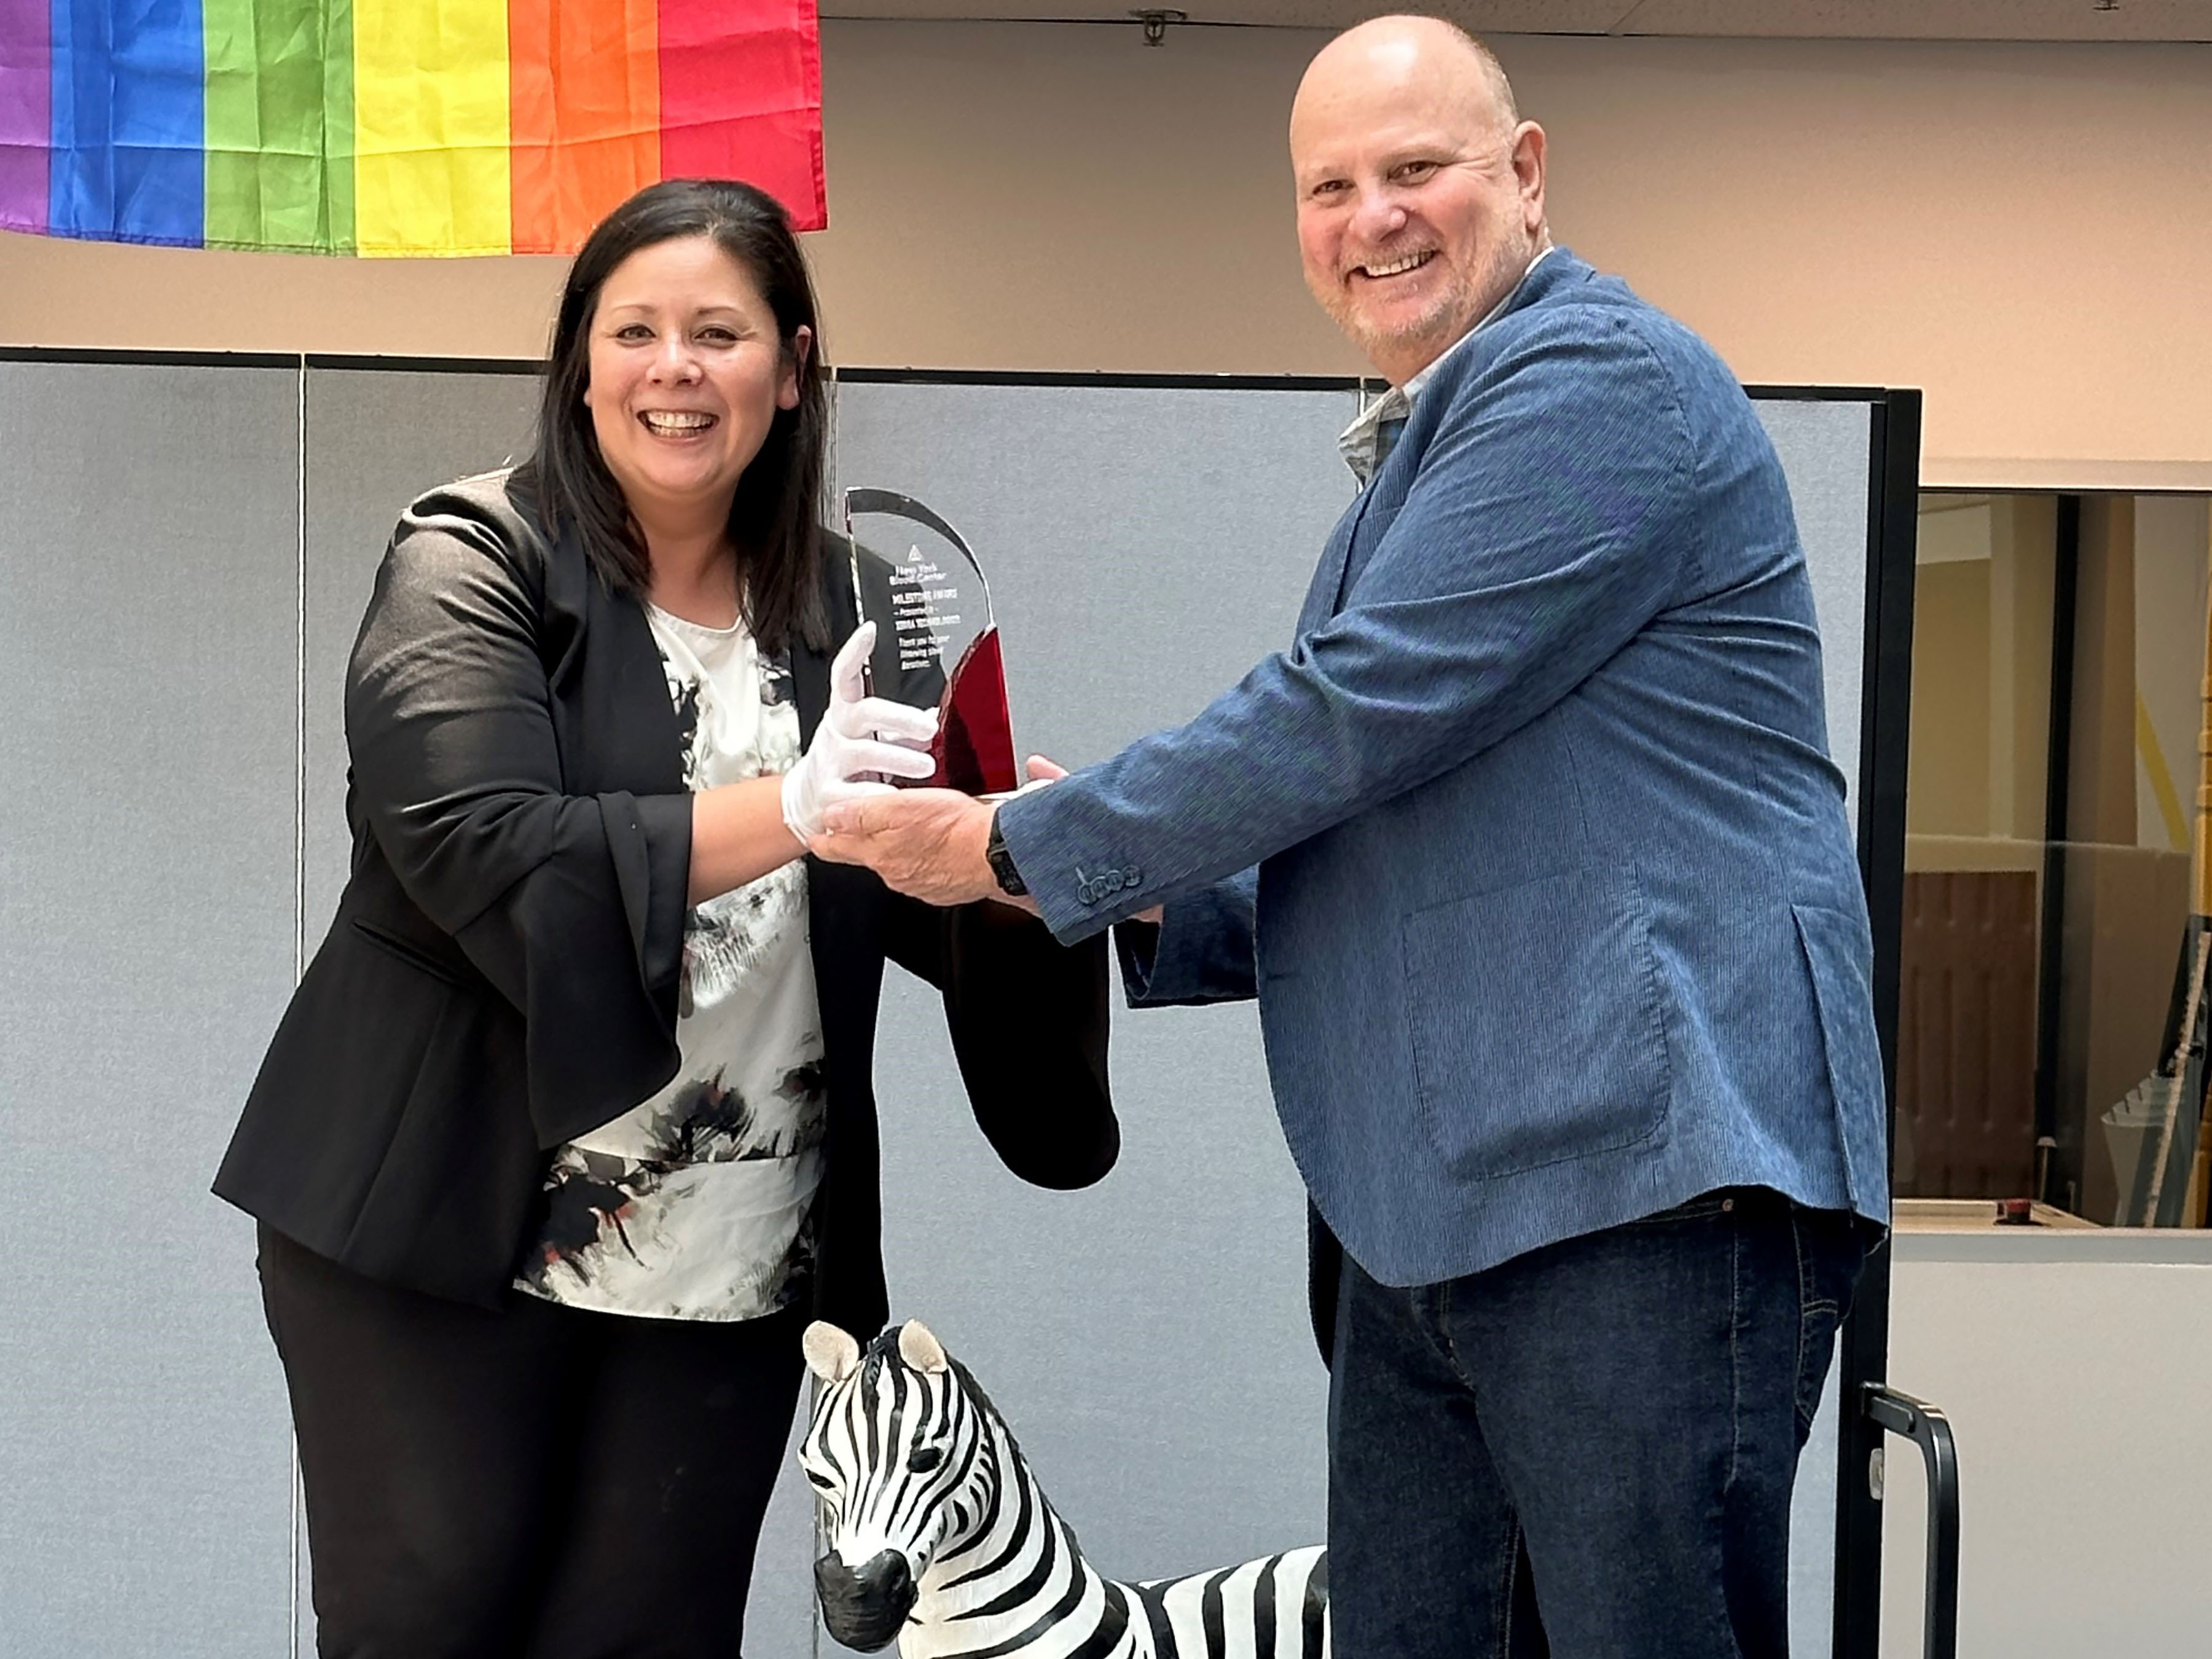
<point>1363,444</point>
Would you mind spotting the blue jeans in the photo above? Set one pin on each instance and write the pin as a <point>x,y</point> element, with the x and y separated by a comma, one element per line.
<point>1588,1451</point>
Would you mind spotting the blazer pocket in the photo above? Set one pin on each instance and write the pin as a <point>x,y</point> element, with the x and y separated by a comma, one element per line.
<point>1537,1023</point>
<point>408,951</point>
<point>351,1052</point>
<point>449,1204</point>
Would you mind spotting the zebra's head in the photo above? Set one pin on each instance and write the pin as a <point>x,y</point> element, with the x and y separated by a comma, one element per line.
<point>896,1455</point>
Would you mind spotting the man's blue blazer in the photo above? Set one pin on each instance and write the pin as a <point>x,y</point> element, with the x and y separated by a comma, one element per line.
<point>1530,845</point>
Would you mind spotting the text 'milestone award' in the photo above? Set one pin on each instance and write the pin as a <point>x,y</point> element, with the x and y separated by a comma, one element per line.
<point>948,640</point>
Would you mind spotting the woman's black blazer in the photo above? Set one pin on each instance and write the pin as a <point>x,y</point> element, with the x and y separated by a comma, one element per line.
<point>501,975</point>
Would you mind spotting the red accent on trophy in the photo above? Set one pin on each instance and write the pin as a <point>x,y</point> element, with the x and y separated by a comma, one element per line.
<point>975,744</point>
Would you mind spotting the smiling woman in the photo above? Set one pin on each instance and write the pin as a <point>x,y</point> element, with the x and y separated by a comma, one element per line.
<point>692,304</point>
<point>569,1126</point>
<point>688,371</point>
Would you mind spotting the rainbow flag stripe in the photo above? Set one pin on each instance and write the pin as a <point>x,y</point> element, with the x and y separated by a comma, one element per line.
<point>395,127</point>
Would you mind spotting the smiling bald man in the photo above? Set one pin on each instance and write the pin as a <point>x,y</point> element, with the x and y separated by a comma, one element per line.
<point>1531,850</point>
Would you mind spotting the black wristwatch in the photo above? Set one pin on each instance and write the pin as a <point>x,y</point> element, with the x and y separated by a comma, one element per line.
<point>1002,862</point>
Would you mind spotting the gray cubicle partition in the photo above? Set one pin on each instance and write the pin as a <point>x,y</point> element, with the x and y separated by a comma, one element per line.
<point>149,772</point>
<point>184,548</point>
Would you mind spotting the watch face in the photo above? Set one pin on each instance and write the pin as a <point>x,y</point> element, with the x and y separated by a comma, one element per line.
<point>1002,864</point>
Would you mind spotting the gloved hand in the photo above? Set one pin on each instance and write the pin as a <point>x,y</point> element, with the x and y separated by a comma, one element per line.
<point>860,739</point>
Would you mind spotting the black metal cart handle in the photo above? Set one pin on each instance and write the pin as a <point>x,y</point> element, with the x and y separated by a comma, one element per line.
<point>1926,1426</point>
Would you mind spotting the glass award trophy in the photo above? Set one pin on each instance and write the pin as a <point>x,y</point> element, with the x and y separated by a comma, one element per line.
<point>939,613</point>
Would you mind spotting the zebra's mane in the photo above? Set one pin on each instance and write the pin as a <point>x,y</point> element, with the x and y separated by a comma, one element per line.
<point>883,1350</point>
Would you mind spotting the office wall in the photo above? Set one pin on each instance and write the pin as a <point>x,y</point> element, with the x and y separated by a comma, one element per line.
<point>2025,231</point>
<point>2072,1367</point>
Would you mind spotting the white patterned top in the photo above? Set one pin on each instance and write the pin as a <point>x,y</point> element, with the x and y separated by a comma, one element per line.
<point>697,1203</point>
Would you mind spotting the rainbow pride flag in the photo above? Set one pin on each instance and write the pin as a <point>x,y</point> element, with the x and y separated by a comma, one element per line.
<point>395,127</point>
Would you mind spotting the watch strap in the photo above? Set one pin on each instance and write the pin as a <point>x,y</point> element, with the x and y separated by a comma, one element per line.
<point>1002,863</point>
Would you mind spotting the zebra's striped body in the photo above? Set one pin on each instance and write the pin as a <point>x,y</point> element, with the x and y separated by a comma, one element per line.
<point>936,1532</point>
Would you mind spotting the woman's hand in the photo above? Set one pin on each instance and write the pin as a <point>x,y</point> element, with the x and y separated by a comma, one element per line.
<point>861,740</point>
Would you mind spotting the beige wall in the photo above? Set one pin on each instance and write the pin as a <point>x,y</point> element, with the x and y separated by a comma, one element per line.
<point>2026,231</point>
<point>1948,757</point>
<point>1981,681</point>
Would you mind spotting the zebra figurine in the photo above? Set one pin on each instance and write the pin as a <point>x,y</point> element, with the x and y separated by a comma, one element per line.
<point>935,1532</point>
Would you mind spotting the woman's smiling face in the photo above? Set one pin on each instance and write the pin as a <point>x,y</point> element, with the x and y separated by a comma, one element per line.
<point>687,373</point>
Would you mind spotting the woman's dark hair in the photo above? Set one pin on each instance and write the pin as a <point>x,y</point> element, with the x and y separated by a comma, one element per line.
<point>774,519</point>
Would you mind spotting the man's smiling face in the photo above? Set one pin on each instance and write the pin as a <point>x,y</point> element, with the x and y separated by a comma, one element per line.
<point>1420,204</point>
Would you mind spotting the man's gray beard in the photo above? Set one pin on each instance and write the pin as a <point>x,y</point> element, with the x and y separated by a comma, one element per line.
<point>1447,322</point>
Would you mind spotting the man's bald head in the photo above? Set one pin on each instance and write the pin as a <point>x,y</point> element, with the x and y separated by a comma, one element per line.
<point>1404,43</point>
<point>1420,188</point>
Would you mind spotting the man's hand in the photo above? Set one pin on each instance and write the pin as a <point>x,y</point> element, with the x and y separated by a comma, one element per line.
<point>926,843</point>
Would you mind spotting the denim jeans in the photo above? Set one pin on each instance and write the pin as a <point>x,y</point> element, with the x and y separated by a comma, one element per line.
<point>1588,1451</point>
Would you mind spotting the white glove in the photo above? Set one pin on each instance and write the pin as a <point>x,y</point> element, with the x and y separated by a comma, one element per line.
<point>860,739</point>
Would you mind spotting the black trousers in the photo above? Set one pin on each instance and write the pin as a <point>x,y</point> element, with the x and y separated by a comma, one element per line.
<point>539,1482</point>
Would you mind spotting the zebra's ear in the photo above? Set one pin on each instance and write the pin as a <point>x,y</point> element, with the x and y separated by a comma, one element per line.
<point>919,1348</point>
<point>831,1354</point>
